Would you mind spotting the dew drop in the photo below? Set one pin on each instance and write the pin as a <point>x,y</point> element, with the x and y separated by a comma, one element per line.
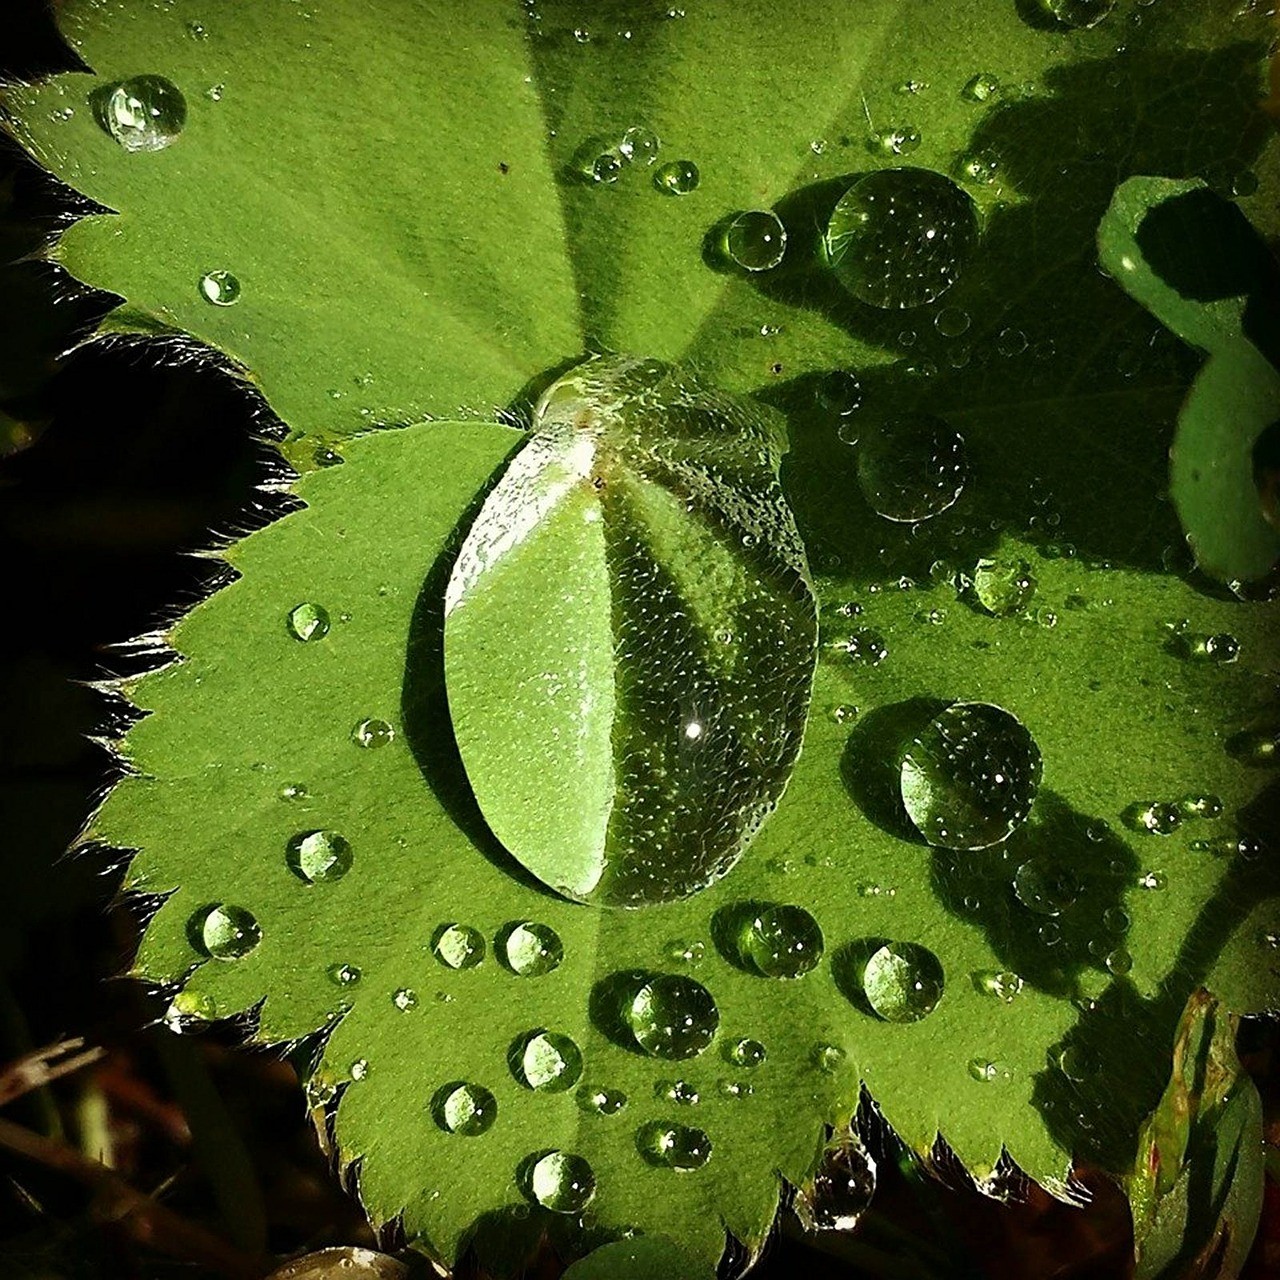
<point>465,1109</point>
<point>1003,588</point>
<point>684,951</point>
<point>896,140</point>
<point>308,621</point>
<point>828,1058</point>
<point>605,1102</point>
<point>969,779</point>
<point>672,1016</point>
<point>912,469</point>
<point>1003,984</point>
<point>458,946</point>
<point>842,1188</point>
<point>680,1092</point>
<point>900,238</point>
<point>746,1053</point>
<point>145,113</point>
<point>952,322</point>
<point>865,646</point>
<point>293,791</point>
<point>1119,962</point>
<point>755,240</point>
<point>980,166</point>
<point>903,982</point>
<point>344,975</point>
<point>1153,880</point>
<point>226,932</point>
<point>1199,805</point>
<point>674,1146</point>
<point>981,87</point>
<point>734,1090</point>
<point>1154,817</point>
<point>677,177</point>
<point>220,288</point>
<point>359,1069</point>
<point>1078,14</point>
<point>983,1070</point>
<point>781,941</point>
<point>640,145</point>
<point>319,857</point>
<point>546,1061</point>
<point>531,949</point>
<point>404,999</point>
<point>1046,888</point>
<point>372,734</point>
<point>562,1183</point>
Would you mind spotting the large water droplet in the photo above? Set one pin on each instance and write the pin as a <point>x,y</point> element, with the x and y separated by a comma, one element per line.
<point>672,1016</point>
<point>308,621</point>
<point>145,113</point>
<point>225,932</point>
<point>756,240</point>
<point>900,237</point>
<point>547,1061</point>
<point>562,1182</point>
<point>1079,14</point>
<point>781,941</point>
<point>319,857</point>
<point>531,949</point>
<point>458,946</point>
<point>220,288</point>
<point>1045,887</point>
<point>677,177</point>
<point>1003,588</point>
<point>674,1146</point>
<point>903,982</point>
<point>913,468</point>
<point>969,779</point>
<point>465,1109</point>
<point>842,1188</point>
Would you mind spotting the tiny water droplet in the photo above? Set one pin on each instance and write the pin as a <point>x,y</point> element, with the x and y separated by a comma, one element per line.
<point>226,932</point>
<point>344,975</point>
<point>677,177</point>
<point>828,1058</point>
<point>215,92</point>
<point>308,621</point>
<point>605,1102</point>
<point>980,166</point>
<point>845,713</point>
<point>319,857</point>
<point>145,113</point>
<point>1045,887</point>
<point>1076,1063</point>
<point>913,468</point>
<point>562,1182</point>
<point>1004,984</point>
<point>683,951</point>
<point>458,946</point>
<point>1154,817</point>
<point>532,949</point>
<point>969,780</point>
<point>467,1110</point>
<point>983,1070</point>
<point>1078,14</point>
<point>981,87</point>
<point>746,1053</point>
<point>547,1061</point>
<point>293,791</point>
<point>359,1069</point>
<point>903,982</point>
<point>680,1092</point>
<point>1119,962</point>
<point>1199,805</point>
<point>640,145</point>
<point>951,322</point>
<point>220,288</point>
<point>1116,919</point>
<point>734,1090</point>
<point>896,140</point>
<point>865,646</point>
<point>781,941</point>
<point>1003,588</point>
<point>372,734</point>
<point>672,1016</point>
<point>839,392</point>
<point>900,237</point>
<point>755,240</point>
<point>1153,880</point>
<point>404,999</point>
<point>674,1146</point>
<point>197,31</point>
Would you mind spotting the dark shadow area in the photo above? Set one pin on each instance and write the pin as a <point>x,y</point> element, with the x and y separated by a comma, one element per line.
<point>1077,404</point>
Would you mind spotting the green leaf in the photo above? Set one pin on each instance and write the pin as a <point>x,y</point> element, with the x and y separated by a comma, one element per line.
<point>345,179</point>
<point>1197,1187</point>
<point>1193,261</point>
<point>630,636</point>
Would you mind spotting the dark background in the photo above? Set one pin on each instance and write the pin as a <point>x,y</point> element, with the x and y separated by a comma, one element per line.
<point>117,460</point>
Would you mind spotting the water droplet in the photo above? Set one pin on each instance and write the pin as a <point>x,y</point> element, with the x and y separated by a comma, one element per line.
<point>781,941</point>
<point>900,237</point>
<point>845,713</point>
<point>465,1109</point>
<point>1079,14</point>
<point>842,1188</point>
<point>308,621</point>
<point>1042,886</point>
<point>1004,984</point>
<point>912,469</point>
<point>547,1061</point>
<point>1003,588</point>
<point>981,87</point>
<point>746,1053</point>
<point>1154,817</point>
<point>896,140</point>
<point>1116,919</point>
<point>404,999</point>
<point>840,393</point>
<point>969,779</point>
<point>756,240</point>
<point>225,932</point>
<point>680,1092</point>
<point>1153,880</point>
<point>359,1069</point>
<point>344,975</point>
<point>215,92</point>
<point>640,145</point>
<point>372,734</point>
<point>145,113</point>
<point>1119,962</point>
<point>293,791</point>
<point>531,949</point>
<point>980,166</point>
<point>951,322</point>
<point>903,982</point>
<point>983,1070</point>
<point>605,1102</point>
<point>1076,1063</point>
<point>562,1182</point>
<point>1011,342</point>
<point>319,857</point>
<point>866,646</point>
<point>828,1058</point>
<point>458,946</point>
<point>1198,805</point>
<point>683,951</point>
<point>197,31</point>
<point>673,1017</point>
<point>677,177</point>
<point>674,1146</point>
<point>220,288</point>
<point>734,1089</point>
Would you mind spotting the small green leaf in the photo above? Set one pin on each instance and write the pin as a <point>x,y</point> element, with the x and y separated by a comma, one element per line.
<point>630,636</point>
<point>1192,259</point>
